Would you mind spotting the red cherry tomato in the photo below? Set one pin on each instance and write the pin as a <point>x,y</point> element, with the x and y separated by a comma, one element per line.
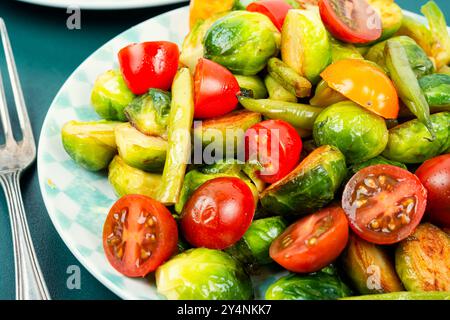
<point>139,234</point>
<point>215,90</point>
<point>276,145</point>
<point>149,65</point>
<point>353,21</point>
<point>384,203</point>
<point>313,242</point>
<point>435,176</point>
<point>276,10</point>
<point>218,213</point>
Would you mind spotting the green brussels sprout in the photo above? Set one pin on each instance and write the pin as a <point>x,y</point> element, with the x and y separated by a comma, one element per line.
<point>422,260</point>
<point>253,83</point>
<point>203,274</point>
<point>90,144</point>
<point>418,59</point>
<point>308,187</point>
<point>358,133</point>
<point>149,113</point>
<point>111,95</point>
<point>341,51</point>
<point>242,41</point>
<point>430,295</point>
<point>254,246</point>
<point>369,267</point>
<point>391,16</point>
<point>325,96</point>
<point>321,285</point>
<point>128,180</point>
<point>372,162</point>
<point>411,141</point>
<point>436,88</point>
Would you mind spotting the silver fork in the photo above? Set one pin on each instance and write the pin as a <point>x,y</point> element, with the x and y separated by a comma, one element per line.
<point>14,158</point>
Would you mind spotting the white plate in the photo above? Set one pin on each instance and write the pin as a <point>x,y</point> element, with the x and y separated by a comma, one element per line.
<point>103,4</point>
<point>77,200</point>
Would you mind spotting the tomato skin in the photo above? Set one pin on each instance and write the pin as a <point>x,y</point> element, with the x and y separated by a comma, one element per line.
<point>216,90</point>
<point>301,256</point>
<point>276,10</point>
<point>365,84</point>
<point>388,205</point>
<point>435,176</point>
<point>158,237</point>
<point>359,33</point>
<point>259,139</point>
<point>149,65</point>
<point>218,213</point>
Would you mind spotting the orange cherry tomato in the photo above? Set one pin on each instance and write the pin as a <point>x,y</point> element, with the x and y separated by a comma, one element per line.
<point>365,84</point>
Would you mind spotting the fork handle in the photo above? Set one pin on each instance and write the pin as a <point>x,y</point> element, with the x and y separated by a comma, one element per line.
<point>30,284</point>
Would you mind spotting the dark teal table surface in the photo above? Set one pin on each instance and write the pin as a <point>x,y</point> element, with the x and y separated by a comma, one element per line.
<point>46,54</point>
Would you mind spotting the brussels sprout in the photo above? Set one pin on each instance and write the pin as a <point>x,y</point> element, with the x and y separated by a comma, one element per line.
<point>254,246</point>
<point>308,187</point>
<point>418,59</point>
<point>372,162</point>
<point>242,41</point>
<point>411,142</point>
<point>128,180</point>
<point>253,83</point>
<point>203,274</point>
<point>369,267</point>
<point>341,51</point>
<point>111,95</point>
<point>90,144</point>
<point>391,16</point>
<point>358,133</point>
<point>138,150</point>
<point>322,285</point>
<point>422,260</point>
<point>417,31</point>
<point>148,113</point>
<point>305,45</point>
<point>436,88</point>
<point>431,295</point>
<point>277,92</point>
<point>326,96</point>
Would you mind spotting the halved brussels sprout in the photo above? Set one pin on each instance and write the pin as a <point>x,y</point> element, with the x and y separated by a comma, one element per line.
<point>417,31</point>
<point>369,267</point>
<point>308,187</point>
<point>391,16</point>
<point>254,246</point>
<point>149,113</point>
<point>322,285</point>
<point>128,180</point>
<point>253,83</point>
<point>341,51</point>
<point>110,95</point>
<point>90,144</point>
<point>422,260</point>
<point>242,41</point>
<point>418,59</point>
<point>138,150</point>
<point>411,141</point>
<point>358,133</point>
<point>372,162</point>
<point>203,274</point>
<point>305,45</point>
<point>436,88</point>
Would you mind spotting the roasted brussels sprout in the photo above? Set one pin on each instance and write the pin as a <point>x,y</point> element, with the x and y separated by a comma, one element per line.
<point>436,88</point>
<point>391,16</point>
<point>90,144</point>
<point>111,95</point>
<point>128,180</point>
<point>138,150</point>
<point>203,274</point>
<point>326,96</point>
<point>369,267</point>
<point>341,51</point>
<point>253,83</point>
<point>322,285</point>
<point>411,142</point>
<point>418,59</point>
<point>308,187</point>
<point>372,162</point>
<point>358,133</point>
<point>148,113</point>
<point>254,246</point>
<point>242,41</point>
<point>422,260</point>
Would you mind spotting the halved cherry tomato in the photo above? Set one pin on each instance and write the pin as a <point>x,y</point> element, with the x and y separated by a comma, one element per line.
<point>276,10</point>
<point>215,90</point>
<point>149,65</point>
<point>218,213</point>
<point>274,144</point>
<point>139,234</point>
<point>435,176</point>
<point>384,203</point>
<point>313,242</point>
<point>353,21</point>
<point>365,84</point>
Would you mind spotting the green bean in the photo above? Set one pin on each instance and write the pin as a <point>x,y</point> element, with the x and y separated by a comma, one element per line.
<point>253,83</point>
<point>277,91</point>
<point>288,78</point>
